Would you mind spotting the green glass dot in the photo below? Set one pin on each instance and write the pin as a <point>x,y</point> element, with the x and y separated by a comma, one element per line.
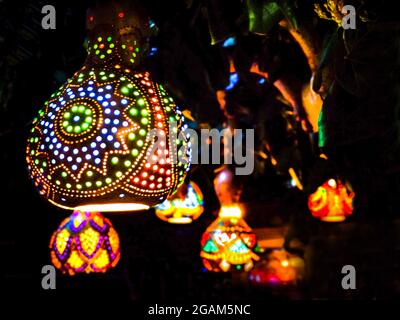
<point>70,128</point>
<point>65,124</point>
<point>68,185</point>
<point>81,109</point>
<point>140,143</point>
<point>109,39</point>
<point>123,46</point>
<point>88,112</point>
<point>141,102</point>
<point>77,129</point>
<point>137,49</point>
<point>89,173</point>
<point>97,52</point>
<point>99,39</point>
<point>108,180</point>
<point>109,51</point>
<point>144,121</point>
<point>124,90</point>
<point>112,75</point>
<point>114,160</point>
<point>133,111</point>
<point>135,152</point>
<point>119,174</point>
<point>74,109</point>
<point>144,112</point>
<point>127,163</point>
<point>88,184</point>
<point>103,78</point>
<point>88,119</point>
<point>99,183</point>
<point>37,161</point>
<point>132,61</point>
<point>142,132</point>
<point>112,45</point>
<point>131,136</point>
<point>67,115</point>
<point>49,177</point>
<point>85,126</point>
<point>136,93</point>
<point>58,182</point>
<point>102,56</point>
<point>79,186</point>
<point>95,46</point>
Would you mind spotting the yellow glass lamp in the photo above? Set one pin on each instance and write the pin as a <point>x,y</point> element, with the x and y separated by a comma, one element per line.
<point>184,206</point>
<point>228,243</point>
<point>85,242</point>
<point>91,147</point>
<point>332,202</point>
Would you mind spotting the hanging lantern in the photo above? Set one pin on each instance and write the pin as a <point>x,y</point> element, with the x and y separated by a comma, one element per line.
<point>332,202</point>
<point>228,243</point>
<point>85,242</point>
<point>184,206</point>
<point>280,268</point>
<point>92,149</point>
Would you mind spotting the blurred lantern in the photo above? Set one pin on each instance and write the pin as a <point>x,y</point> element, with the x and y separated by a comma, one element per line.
<point>227,189</point>
<point>92,149</point>
<point>280,268</point>
<point>184,206</point>
<point>332,202</point>
<point>85,242</point>
<point>228,243</point>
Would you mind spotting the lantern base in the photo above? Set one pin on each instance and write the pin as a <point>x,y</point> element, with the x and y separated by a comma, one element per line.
<point>333,219</point>
<point>106,207</point>
<point>181,220</point>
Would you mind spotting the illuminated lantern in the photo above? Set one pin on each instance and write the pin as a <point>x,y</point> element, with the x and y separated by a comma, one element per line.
<point>92,149</point>
<point>85,242</point>
<point>332,202</point>
<point>280,268</point>
<point>184,206</point>
<point>228,243</point>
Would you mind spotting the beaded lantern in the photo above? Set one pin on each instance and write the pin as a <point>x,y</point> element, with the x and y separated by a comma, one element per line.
<point>85,242</point>
<point>91,148</point>
<point>182,207</point>
<point>280,268</point>
<point>228,243</point>
<point>332,202</point>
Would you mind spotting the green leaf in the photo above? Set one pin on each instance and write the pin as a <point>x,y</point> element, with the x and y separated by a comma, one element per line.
<point>263,15</point>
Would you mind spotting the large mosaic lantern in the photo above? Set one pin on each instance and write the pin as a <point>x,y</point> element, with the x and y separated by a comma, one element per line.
<point>182,207</point>
<point>85,242</point>
<point>110,139</point>
<point>228,243</point>
<point>332,202</point>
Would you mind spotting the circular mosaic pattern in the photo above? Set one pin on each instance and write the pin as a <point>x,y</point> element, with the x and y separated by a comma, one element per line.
<point>92,143</point>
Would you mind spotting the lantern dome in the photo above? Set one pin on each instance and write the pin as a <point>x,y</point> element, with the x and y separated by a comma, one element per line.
<point>93,146</point>
<point>182,207</point>
<point>228,243</point>
<point>332,202</point>
<point>85,242</point>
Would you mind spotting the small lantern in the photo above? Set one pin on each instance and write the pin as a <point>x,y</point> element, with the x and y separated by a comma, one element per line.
<point>332,202</point>
<point>280,268</point>
<point>228,243</point>
<point>85,242</point>
<point>184,206</point>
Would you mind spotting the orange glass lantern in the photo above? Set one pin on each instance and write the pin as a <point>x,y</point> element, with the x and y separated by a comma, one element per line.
<point>228,243</point>
<point>184,206</point>
<point>332,202</point>
<point>280,268</point>
<point>85,242</point>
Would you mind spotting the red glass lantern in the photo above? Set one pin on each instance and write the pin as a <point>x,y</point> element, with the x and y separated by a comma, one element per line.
<point>332,202</point>
<point>228,243</point>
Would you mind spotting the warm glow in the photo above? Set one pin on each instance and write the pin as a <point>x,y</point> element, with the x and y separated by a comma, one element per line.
<point>113,207</point>
<point>230,212</point>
